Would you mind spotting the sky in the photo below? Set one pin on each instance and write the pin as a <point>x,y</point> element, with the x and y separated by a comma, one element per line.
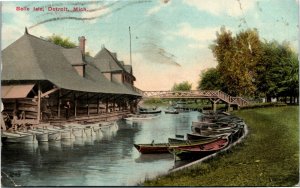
<point>170,38</point>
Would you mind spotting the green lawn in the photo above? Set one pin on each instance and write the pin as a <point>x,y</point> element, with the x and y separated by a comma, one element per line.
<point>268,156</point>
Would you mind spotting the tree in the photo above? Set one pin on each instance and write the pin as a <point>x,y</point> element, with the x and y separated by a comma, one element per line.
<point>184,86</point>
<point>277,72</point>
<point>249,67</point>
<point>288,72</point>
<point>223,51</point>
<point>210,80</point>
<point>237,57</point>
<point>64,42</point>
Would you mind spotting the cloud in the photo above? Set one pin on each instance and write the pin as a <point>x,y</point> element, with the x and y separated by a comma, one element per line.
<point>221,7</point>
<point>154,10</point>
<point>162,4</point>
<point>61,18</point>
<point>17,23</point>
<point>96,10</point>
<point>198,34</point>
<point>8,8</point>
<point>197,46</point>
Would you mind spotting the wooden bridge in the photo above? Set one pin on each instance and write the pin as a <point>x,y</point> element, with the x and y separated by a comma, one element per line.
<point>212,95</point>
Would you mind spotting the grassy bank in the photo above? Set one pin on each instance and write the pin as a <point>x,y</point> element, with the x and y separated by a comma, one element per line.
<point>269,155</point>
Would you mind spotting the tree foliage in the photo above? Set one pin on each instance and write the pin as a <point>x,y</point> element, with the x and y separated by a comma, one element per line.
<point>277,73</point>
<point>250,67</point>
<point>237,57</point>
<point>209,80</point>
<point>184,86</point>
<point>64,42</point>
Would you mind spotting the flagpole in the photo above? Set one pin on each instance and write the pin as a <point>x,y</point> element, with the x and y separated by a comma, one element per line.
<point>130,46</point>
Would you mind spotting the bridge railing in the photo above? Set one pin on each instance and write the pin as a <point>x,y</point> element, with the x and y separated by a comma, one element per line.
<point>204,93</point>
<point>207,93</point>
<point>239,101</point>
<point>212,94</point>
<point>224,96</point>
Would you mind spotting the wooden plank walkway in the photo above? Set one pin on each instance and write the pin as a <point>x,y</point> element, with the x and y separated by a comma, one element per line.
<point>197,94</point>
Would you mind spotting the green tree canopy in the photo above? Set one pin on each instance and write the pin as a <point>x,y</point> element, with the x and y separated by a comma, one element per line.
<point>184,86</point>
<point>64,42</point>
<point>250,67</point>
<point>210,80</point>
<point>237,57</point>
<point>277,71</point>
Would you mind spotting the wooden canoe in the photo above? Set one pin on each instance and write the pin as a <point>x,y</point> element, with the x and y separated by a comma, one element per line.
<point>171,112</point>
<point>199,151</point>
<point>197,136</point>
<point>163,147</point>
<point>200,139</point>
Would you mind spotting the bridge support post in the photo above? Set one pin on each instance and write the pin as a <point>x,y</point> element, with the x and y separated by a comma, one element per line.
<point>228,107</point>
<point>214,104</point>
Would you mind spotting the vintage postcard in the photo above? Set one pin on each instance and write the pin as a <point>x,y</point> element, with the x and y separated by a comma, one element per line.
<point>150,93</point>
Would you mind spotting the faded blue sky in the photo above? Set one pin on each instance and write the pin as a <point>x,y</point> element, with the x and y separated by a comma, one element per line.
<point>170,38</point>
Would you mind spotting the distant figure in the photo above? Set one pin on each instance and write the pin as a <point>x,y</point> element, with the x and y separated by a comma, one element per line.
<point>67,106</point>
<point>14,120</point>
<point>46,111</point>
<point>22,115</point>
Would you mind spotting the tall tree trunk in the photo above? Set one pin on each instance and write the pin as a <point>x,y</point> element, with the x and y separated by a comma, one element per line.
<point>294,100</point>
<point>268,98</point>
<point>285,99</point>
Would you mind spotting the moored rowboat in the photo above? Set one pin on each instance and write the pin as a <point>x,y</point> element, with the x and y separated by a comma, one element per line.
<point>199,151</point>
<point>163,147</point>
<point>15,137</point>
<point>140,117</point>
<point>197,136</point>
<point>66,133</point>
<point>40,135</point>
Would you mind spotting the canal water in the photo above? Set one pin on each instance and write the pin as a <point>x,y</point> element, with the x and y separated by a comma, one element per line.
<point>110,161</point>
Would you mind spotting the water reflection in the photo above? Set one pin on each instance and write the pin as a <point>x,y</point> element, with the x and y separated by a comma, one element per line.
<point>67,143</point>
<point>108,159</point>
<point>43,147</point>
<point>79,141</point>
<point>148,158</point>
<point>55,146</point>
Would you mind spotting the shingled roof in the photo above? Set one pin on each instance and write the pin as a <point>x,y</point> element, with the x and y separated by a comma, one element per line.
<point>73,55</point>
<point>95,74</point>
<point>107,61</point>
<point>32,58</point>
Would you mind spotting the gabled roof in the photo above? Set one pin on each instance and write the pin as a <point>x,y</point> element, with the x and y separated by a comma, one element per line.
<point>31,58</point>
<point>107,61</point>
<point>73,55</point>
<point>20,63</point>
<point>94,74</point>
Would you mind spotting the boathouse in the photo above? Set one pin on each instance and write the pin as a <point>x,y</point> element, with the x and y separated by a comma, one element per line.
<point>44,82</point>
